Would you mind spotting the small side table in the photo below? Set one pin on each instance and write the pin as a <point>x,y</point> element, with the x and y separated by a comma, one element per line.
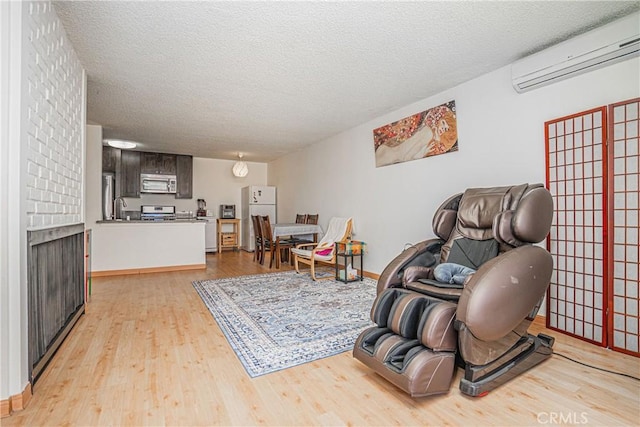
<point>347,252</point>
<point>226,238</point>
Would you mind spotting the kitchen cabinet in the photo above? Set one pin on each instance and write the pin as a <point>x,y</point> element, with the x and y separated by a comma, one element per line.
<point>184,177</point>
<point>110,157</point>
<point>129,173</point>
<point>159,163</point>
<point>127,166</point>
<point>122,246</point>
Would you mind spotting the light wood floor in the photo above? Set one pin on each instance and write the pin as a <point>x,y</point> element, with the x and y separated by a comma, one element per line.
<point>148,352</point>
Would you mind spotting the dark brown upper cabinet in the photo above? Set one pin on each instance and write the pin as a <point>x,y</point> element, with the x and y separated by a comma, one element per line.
<point>128,165</point>
<point>184,176</point>
<point>130,173</point>
<point>110,157</point>
<point>159,163</point>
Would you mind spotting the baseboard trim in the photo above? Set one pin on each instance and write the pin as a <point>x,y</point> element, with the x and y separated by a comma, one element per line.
<point>148,270</point>
<point>15,403</point>
<point>5,407</point>
<point>20,401</point>
<point>371,275</point>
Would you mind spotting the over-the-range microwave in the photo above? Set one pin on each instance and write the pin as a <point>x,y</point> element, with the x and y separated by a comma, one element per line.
<point>154,183</point>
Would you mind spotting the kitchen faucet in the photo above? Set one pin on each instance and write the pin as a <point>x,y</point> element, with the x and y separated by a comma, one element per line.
<point>115,206</point>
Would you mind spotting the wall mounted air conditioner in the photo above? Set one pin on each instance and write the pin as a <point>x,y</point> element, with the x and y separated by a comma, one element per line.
<point>606,45</point>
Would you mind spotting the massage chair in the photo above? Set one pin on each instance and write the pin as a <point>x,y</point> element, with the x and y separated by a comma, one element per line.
<point>425,328</point>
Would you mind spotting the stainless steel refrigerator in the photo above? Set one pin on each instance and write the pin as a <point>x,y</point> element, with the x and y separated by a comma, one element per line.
<point>108,194</point>
<point>256,200</point>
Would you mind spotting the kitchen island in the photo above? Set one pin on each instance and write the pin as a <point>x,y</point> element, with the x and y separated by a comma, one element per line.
<point>133,247</point>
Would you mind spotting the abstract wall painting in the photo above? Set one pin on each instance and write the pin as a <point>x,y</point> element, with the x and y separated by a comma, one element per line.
<point>421,135</point>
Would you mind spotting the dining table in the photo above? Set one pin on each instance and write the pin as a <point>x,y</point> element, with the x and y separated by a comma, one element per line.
<point>286,229</point>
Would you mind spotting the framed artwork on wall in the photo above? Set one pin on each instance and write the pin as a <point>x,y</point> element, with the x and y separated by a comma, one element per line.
<point>420,135</point>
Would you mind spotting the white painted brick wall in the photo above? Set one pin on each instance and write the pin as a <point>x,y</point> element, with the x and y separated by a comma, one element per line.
<point>54,129</point>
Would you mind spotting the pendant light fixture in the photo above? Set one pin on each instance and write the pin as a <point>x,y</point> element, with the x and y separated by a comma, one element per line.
<point>240,168</point>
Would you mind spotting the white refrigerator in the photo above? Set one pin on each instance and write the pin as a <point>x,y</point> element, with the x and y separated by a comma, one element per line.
<point>256,200</point>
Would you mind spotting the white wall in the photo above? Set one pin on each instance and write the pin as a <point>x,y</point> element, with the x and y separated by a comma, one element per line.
<point>12,321</point>
<point>93,175</point>
<point>214,182</point>
<point>501,142</point>
<point>43,87</point>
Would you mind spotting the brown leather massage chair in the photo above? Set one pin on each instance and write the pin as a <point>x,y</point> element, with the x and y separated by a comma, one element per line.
<point>425,328</point>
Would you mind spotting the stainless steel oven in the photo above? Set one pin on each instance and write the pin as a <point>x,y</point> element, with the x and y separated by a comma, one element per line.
<point>157,213</point>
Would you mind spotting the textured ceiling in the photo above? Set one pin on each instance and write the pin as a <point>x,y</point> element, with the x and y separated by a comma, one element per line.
<point>213,79</point>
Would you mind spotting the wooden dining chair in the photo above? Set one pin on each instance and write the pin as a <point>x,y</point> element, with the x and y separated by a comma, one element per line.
<point>268,243</point>
<point>266,237</point>
<point>307,238</point>
<point>312,219</point>
<point>257,238</point>
<point>300,219</point>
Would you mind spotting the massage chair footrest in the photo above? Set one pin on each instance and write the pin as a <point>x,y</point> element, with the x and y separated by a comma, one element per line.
<point>417,370</point>
<point>413,345</point>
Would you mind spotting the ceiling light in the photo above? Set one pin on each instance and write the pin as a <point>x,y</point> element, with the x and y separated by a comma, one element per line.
<point>117,143</point>
<point>240,168</point>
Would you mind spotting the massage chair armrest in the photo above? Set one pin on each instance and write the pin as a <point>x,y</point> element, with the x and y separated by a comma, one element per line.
<point>392,274</point>
<point>415,272</point>
<point>504,291</point>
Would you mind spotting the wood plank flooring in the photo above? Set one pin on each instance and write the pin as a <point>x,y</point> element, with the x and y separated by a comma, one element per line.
<point>148,352</point>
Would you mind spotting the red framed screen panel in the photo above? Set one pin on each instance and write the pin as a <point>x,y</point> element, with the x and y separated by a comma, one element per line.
<point>624,187</point>
<point>576,177</point>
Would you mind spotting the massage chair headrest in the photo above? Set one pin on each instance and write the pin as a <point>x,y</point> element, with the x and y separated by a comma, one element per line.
<point>513,215</point>
<point>478,208</point>
<point>444,220</point>
<point>527,222</point>
<point>471,213</point>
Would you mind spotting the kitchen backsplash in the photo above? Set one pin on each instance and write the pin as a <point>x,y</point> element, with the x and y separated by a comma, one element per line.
<point>182,205</point>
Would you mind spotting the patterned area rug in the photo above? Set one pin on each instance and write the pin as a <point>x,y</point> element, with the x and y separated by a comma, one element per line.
<point>278,320</point>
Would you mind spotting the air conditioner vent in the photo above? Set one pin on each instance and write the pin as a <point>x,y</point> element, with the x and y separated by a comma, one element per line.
<point>612,43</point>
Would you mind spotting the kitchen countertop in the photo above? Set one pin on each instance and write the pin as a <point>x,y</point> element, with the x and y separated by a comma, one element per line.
<point>141,221</point>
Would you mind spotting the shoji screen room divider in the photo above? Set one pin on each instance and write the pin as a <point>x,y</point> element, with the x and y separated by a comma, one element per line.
<point>593,175</point>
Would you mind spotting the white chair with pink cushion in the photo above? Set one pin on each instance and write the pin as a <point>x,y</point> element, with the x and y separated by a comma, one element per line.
<point>339,230</point>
